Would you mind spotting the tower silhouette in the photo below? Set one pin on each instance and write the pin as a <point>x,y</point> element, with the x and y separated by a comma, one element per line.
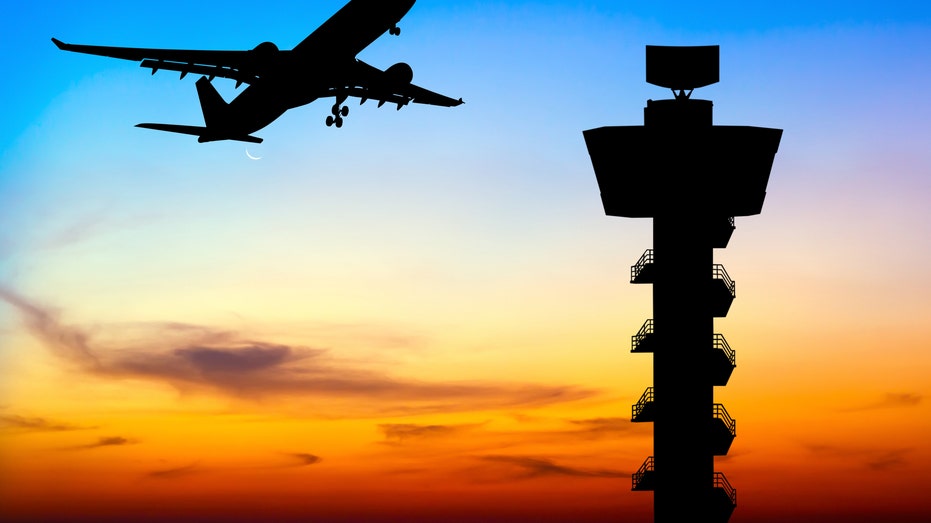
<point>692,177</point>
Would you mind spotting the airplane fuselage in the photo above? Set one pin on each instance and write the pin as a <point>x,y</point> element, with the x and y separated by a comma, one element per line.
<point>303,75</point>
<point>322,65</point>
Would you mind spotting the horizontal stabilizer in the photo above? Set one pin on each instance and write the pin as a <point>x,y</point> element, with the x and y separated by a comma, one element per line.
<point>203,134</point>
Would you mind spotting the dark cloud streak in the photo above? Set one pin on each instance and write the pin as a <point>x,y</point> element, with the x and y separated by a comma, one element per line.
<point>603,427</point>
<point>35,424</point>
<point>891,401</point>
<point>111,441</point>
<point>407,431</point>
<point>192,357</point>
<point>306,459</point>
<point>176,472</point>
<point>875,459</point>
<point>534,467</point>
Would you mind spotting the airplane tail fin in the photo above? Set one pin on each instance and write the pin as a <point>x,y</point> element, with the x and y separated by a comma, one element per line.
<point>215,119</point>
<point>211,103</point>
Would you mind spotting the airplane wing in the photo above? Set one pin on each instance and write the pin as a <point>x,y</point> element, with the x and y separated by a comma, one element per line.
<point>353,28</point>
<point>242,66</point>
<point>392,86</point>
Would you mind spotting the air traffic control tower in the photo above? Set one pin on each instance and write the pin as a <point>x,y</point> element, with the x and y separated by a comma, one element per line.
<point>692,177</point>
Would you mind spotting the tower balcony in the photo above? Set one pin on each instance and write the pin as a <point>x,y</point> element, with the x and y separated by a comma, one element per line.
<point>721,234</point>
<point>642,272</point>
<point>643,478</point>
<point>724,360</point>
<point>643,340</point>
<point>725,499</point>
<point>723,287</point>
<point>724,429</point>
<point>723,291</point>
<point>643,410</point>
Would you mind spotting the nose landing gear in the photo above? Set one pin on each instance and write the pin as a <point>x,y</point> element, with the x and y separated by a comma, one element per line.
<point>394,31</point>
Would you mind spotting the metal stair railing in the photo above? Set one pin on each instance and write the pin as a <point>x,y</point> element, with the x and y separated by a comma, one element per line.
<point>721,413</point>
<point>645,259</point>
<point>721,482</point>
<point>718,342</point>
<point>645,398</point>
<point>719,273</point>
<point>644,331</point>
<point>647,466</point>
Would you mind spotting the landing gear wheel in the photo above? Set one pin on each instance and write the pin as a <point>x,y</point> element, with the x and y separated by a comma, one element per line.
<point>329,121</point>
<point>339,122</point>
<point>395,31</point>
<point>335,109</point>
<point>344,111</point>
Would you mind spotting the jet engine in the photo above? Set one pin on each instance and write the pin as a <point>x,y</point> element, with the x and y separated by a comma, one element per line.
<point>265,49</point>
<point>399,74</point>
<point>263,58</point>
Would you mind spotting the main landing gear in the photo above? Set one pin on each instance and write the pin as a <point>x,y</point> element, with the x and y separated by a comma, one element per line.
<point>394,31</point>
<point>338,114</point>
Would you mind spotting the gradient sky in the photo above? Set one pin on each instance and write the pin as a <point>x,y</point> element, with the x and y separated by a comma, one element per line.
<point>425,315</point>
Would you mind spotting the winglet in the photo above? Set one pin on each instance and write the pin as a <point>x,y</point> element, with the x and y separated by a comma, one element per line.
<point>58,43</point>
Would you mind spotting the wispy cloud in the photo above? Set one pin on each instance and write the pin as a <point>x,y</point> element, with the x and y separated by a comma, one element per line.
<point>88,225</point>
<point>76,231</point>
<point>436,440</point>
<point>585,429</point>
<point>67,342</point>
<point>175,472</point>
<point>889,459</point>
<point>192,357</point>
<point>304,459</point>
<point>407,431</point>
<point>602,427</point>
<point>876,459</point>
<point>112,441</point>
<point>892,400</point>
<point>526,467</point>
<point>35,424</point>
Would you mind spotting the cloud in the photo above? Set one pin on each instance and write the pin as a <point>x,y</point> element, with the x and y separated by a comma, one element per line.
<point>889,459</point>
<point>525,467</point>
<point>67,342</point>
<point>406,431</point>
<point>35,424</point>
<point>76,231</point>
<point>176,472</point>
<point>112,441</point>
<point>246,359</point>
<point>306,459</point>
<point>197,357</point>
<point>478,437</point>
<point>873,459</point>
<point>603,427</point>
<point>891,401</point>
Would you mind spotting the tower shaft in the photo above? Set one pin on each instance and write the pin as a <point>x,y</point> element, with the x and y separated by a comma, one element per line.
<point>683,393</point>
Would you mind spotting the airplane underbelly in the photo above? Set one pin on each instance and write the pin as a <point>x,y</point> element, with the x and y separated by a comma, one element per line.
<point>256,108</point>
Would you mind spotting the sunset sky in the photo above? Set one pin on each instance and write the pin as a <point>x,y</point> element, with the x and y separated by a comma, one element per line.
<point>425,315</point>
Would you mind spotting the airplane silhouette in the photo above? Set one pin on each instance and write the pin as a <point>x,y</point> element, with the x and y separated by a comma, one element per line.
<point>322,65</point>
